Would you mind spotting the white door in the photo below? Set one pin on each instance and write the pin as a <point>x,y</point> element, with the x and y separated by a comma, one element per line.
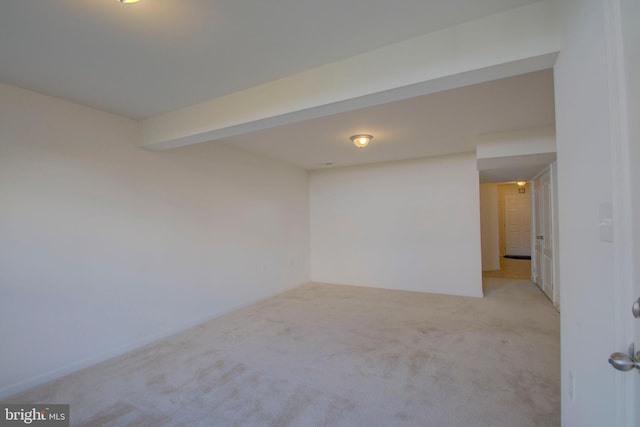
<point>634,379</point>
<point>537,227</point>
<point>517,225</point>
<point>597,93</point>
<point>543,227</point>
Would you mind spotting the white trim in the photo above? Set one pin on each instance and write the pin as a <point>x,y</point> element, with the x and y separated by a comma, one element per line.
<point>542,172</point>
<point>94,359</point>
<point>534,229</point>
<point>555,226</point>
<point>621,183</point>
<point>134,345</point>
<point>553,217</point>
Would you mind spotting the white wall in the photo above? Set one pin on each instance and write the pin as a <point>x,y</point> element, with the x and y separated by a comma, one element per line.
<point>489,227</point>
<point>516,143</point>
<point>105,246</point>
<point>411,225</point>
<point>584,182</point>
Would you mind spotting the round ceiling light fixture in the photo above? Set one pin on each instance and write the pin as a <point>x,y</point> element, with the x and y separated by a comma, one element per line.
<point>361,140</point>
<point>128,1</point>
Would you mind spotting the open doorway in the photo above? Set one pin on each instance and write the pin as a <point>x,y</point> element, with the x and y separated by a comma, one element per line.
<point>518,222</point>
<point>505,210</point>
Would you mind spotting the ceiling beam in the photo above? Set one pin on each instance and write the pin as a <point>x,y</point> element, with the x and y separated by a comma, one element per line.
<point>514,42</point>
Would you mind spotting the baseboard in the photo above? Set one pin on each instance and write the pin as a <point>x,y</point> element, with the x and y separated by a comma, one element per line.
<point>98,358</point>
<point>478,294</point>
<point>54,374</point>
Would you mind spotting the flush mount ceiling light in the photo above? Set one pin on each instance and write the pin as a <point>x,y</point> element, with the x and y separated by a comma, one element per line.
<point>128,1</point>
<point>521,183</point>
<point>361,140</point>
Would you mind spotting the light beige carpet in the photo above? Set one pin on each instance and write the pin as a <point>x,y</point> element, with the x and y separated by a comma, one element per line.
<point>327,355</point>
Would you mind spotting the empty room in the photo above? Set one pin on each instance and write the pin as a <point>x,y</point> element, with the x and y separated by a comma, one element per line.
<point>319,213</point>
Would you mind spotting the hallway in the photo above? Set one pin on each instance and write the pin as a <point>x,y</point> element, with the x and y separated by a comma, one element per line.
<point>511,269</point>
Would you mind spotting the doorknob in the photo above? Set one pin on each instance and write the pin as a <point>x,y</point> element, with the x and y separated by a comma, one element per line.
<point>540,237</point>
<point>635,309</point>
<point>625,362</point>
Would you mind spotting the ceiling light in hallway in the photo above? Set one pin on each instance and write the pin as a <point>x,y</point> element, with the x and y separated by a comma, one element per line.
<point>361,140</point>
